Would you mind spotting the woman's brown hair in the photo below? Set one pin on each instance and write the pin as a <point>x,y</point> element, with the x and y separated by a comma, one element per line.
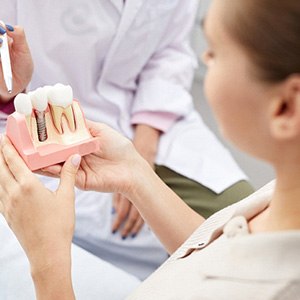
<point>269,30</point>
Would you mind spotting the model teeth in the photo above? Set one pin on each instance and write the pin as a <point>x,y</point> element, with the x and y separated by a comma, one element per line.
<point>60,98</point>
<point>23,104</point>
<point>39,99</point>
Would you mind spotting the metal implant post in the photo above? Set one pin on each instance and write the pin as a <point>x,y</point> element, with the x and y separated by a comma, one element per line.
<point>41,125</point>
<point>39,101</point>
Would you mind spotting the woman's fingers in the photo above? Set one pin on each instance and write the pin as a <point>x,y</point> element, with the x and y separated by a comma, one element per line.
<point>52,171</point>
<point>68,174</point>
<point>14,162</point>
<point>2,197</point>
<point>1,207</point>
<point>7,180</point>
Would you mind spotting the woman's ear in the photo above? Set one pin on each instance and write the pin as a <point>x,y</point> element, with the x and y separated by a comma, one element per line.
<point>285,110</point>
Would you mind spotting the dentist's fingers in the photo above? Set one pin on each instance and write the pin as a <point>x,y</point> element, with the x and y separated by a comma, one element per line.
<point>2,29</point>
<point>2,32</point>
<point>14,162</point>
<point>133,224</point>
<point>137,227</point>
<point>18,35</point>
<point>122,211</point>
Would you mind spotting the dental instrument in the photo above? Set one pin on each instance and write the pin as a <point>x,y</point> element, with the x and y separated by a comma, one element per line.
<point>5,62</point>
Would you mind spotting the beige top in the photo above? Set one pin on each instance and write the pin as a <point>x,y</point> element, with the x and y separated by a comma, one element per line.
<point>221,260</point>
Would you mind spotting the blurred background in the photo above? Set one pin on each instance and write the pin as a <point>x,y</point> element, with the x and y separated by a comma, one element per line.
<point>258,172</point>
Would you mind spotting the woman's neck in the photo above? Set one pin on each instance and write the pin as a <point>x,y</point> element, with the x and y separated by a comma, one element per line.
<point>283,213</point>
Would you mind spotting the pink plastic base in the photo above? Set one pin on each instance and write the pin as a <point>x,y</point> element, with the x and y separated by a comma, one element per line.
<point>43,156</point>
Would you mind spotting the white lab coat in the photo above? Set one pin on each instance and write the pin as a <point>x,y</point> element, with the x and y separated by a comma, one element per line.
<point>121,63</point>
<point>93,278</point>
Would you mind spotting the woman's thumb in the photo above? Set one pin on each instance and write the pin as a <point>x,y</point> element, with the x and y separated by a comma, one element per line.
<point>68,173</point>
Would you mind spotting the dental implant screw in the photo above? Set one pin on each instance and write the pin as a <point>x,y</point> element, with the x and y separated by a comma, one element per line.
<point>41,125</point>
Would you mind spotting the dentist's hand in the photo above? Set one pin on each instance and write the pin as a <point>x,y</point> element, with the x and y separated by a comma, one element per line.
<point>127,218</point>
<point>21,62</point>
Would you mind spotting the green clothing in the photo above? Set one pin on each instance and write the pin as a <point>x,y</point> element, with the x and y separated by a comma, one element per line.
<point>200,198</point>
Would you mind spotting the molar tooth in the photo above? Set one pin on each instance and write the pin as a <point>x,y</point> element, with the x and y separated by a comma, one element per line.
<point>61,98</point>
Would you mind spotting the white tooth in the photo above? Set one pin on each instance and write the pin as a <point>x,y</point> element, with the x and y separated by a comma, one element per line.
<point>61,97</point>
<point>23,104</point>
<point>30,93</point>
<point>39,99</point>
<point>47,89</point>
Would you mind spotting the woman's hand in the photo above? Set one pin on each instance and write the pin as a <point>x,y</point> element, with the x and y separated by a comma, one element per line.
<point>42,220</point>
<point>21,63</point>
<point>113,168</point>
<point>117,167</point>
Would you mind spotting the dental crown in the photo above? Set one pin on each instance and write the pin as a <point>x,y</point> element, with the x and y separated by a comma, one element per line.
<point>39,99</point>
<point>23,104</point>
<point>60,95</point>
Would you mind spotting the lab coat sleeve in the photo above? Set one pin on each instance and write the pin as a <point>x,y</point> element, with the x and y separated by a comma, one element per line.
<point>8,12</point>
<point>166,79</point>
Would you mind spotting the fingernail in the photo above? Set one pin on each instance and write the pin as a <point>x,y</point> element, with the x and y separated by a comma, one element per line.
<point>2,30</point>
<point>133,235</point>
<point>9,27</point>
<point>114,231</point>
<point>124,237</point>
<point>1,41</point>
<point>76,160</point>
<point>113,210</point>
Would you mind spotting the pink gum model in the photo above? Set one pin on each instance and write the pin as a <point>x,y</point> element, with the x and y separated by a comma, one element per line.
<point>22,132</point>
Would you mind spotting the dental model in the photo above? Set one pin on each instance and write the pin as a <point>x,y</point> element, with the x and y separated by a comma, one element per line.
<point>48,134</point>
<point>39,99</point>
